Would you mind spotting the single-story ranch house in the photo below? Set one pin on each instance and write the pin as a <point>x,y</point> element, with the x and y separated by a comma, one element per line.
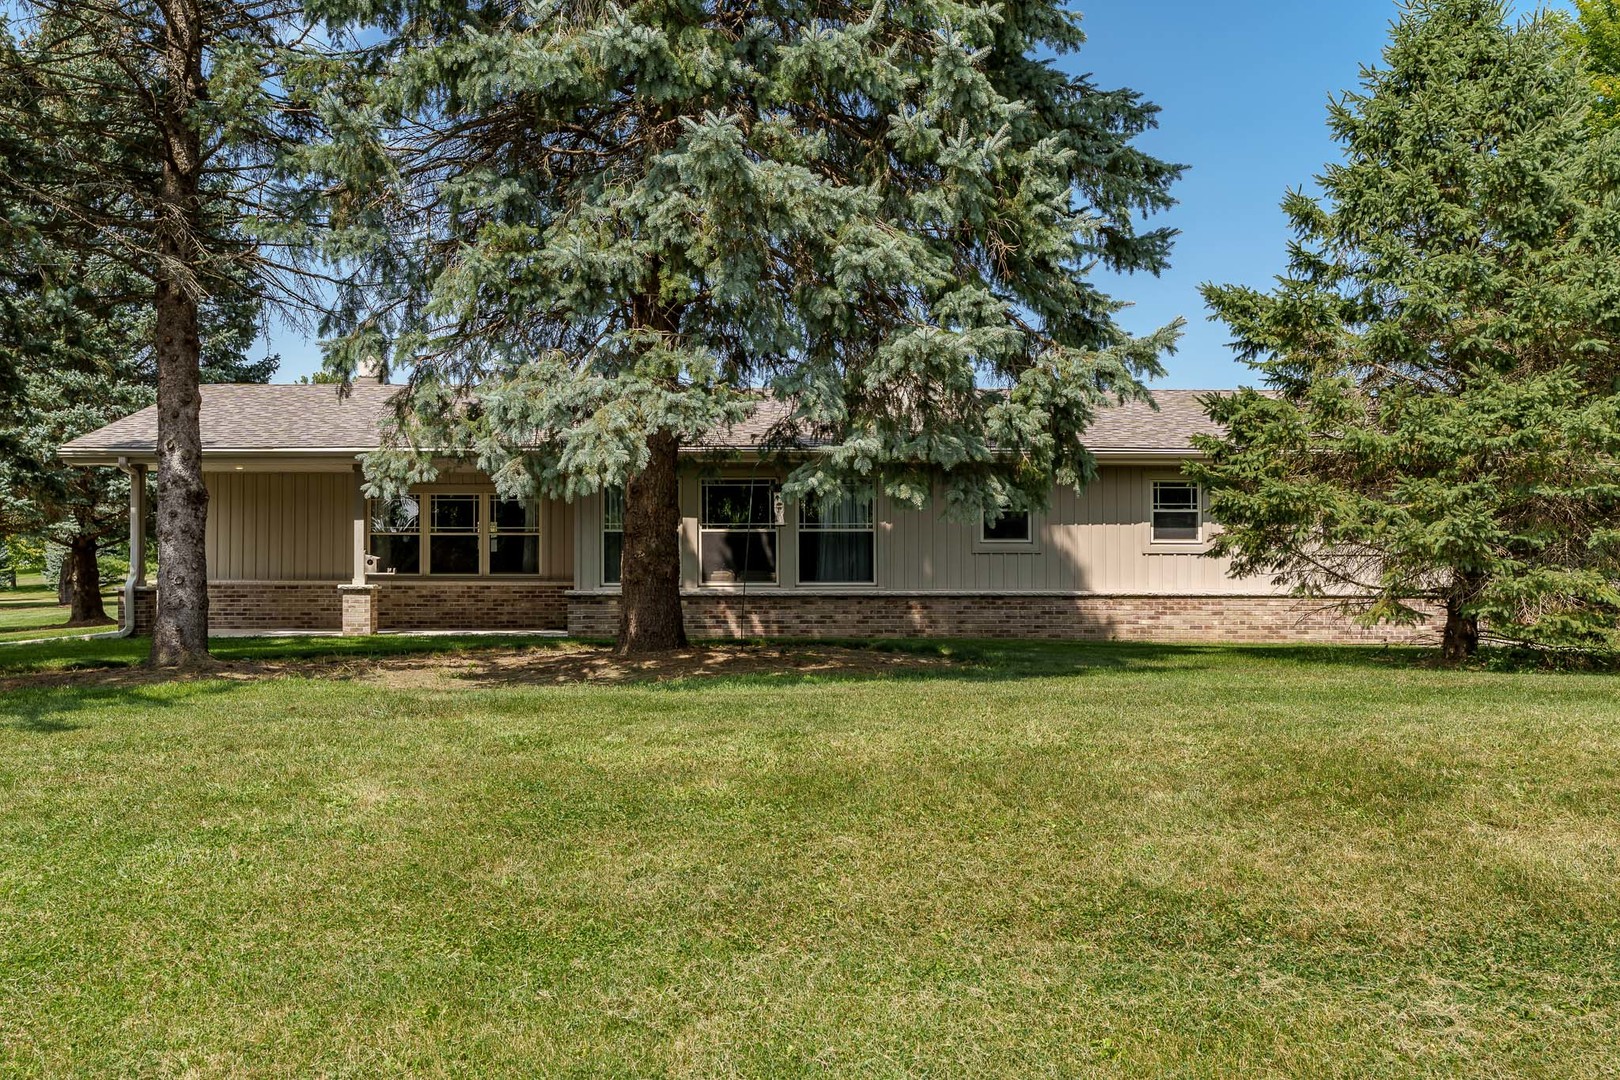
<point>293,543</point>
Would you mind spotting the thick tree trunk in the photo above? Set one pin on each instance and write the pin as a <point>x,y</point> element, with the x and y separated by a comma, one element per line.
<point>180,633</point>
<point>650,592</point>
<point>87,605</point>
<point>1461,639</point>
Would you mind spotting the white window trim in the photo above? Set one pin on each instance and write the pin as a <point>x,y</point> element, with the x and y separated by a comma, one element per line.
<point>704,529</point>
<point>1195,546</point>
<point>835,586</point>
<point>601,562</point>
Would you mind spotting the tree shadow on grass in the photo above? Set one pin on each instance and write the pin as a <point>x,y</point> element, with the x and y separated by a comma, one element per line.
<point>48,708</point>
<point>452,664</point>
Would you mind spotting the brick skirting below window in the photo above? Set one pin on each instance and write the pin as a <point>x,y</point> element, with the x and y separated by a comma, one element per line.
<point>254,605</point>
<point>1235,619</point>
<point>269,606</point>
<point>471,605</point>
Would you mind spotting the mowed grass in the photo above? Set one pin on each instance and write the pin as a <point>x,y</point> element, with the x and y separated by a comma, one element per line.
<point>1042,861</point>
<point>30,611</point>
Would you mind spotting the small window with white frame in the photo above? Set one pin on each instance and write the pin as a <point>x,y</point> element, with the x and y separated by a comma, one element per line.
<point>1178,516</point>
<point>738,532</point>
<point>1011,527</point>
<point>612,534</point>
<point>837,540</point>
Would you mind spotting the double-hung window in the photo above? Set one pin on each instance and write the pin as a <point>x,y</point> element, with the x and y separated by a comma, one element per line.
<point>514,536</point>
<point>453,534</point>
<point>612,534</point>
<point>396,534</point>
<point>1177,512</point>
<point>738,532</point>
<point>836,540</point>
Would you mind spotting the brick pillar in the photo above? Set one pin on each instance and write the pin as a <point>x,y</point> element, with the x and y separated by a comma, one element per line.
<point>145,609</point>
<point>359,610</point>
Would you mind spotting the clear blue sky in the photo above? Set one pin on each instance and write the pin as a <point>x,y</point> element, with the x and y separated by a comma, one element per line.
<point>1243,85</point>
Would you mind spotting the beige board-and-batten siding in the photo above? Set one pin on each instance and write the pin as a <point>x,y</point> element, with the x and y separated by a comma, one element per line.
<point>1092,542</point>
<point>266,526</point>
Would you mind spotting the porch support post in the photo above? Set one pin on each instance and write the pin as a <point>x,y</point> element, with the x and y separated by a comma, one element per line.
<point>137,525</point>
<point>133,619</point>
<point>359,600</point>
<point>359,513</point>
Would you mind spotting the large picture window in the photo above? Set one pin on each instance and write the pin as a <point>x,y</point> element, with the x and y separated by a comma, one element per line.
<point>837,540</point>
<point>738,532</point>
<point>396,534</point>
<point>455,532</point>
<point>612,534</point>
<point>1177,512</point>
<point>514,536</point>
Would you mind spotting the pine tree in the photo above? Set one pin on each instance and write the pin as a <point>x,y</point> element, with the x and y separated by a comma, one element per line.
<point>1598,34</point>
<point>146,135</point>
<point>590,232</point>
<point>1444,351</point>
<point>79,333</point>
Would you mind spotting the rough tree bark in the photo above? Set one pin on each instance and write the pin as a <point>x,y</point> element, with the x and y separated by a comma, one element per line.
<point>86,599</point>
<point>180,633</point>
<point>1461,638</point>
<point>650,574</point>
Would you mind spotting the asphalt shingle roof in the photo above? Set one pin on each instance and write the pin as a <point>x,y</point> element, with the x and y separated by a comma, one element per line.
<point>313,419</point>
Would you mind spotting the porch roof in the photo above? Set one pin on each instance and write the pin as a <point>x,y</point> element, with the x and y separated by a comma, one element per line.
<point>314,421</point>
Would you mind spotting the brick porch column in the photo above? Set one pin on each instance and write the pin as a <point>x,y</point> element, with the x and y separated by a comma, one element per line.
<point>359,610</point>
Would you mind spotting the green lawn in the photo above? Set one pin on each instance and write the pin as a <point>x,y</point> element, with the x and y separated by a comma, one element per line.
<point>1034,861</point>
<point>30,611</point>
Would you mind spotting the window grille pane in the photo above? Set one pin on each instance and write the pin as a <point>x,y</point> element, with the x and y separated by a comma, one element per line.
<point>455,513</point>
<point>514,515</point>
<point>401,515</point>
<point>1174,495</point>
<point>852,511</point>
<point>744,503</point>
<point>612,552</point>
<point>613,508</point>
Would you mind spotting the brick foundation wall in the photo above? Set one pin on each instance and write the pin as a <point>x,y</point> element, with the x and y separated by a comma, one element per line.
<point>1193,619</point>
<point>331,606</point>
<point>472,605</point>
<point>274,605</point>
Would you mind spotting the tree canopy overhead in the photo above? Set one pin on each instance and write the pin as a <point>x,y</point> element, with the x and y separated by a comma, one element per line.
<point>589,231</point>
<point>1444,348</point>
